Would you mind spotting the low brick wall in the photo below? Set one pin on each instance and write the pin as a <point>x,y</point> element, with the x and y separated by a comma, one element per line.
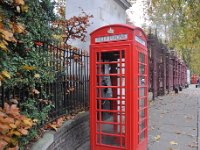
<point>70,136</point>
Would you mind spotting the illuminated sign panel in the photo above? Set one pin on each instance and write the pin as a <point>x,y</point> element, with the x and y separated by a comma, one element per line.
<point>118,37</point>
<point>139,40</point>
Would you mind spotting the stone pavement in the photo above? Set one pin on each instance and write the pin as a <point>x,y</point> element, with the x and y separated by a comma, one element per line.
<point>173,121</point>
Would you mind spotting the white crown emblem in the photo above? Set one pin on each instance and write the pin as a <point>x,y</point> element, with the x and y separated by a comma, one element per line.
<point>110,31</point>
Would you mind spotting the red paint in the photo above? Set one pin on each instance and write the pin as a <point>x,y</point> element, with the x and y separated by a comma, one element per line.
<point>194,79</point>
<point>118,73</point>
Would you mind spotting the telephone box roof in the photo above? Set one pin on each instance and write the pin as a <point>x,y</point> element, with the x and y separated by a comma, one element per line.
<point>119,25</point>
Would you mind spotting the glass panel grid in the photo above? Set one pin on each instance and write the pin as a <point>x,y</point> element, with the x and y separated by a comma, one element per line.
<point>142,96</point>
<point>111,107</point>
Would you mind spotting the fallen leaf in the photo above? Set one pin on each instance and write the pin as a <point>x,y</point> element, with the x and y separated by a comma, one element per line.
<point>53,126</point>
<point>173,143</point>
<point>157,138</point>
<point>59,122</point>
<point>178,132</point>
<point>193,145</point>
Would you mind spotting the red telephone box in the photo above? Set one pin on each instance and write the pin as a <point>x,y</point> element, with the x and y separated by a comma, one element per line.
<point>118,88</point>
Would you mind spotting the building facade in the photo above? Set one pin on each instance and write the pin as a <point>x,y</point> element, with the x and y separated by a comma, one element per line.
<point>105,12</point>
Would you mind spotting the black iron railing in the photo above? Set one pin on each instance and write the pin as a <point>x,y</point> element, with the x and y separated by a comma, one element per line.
<point>69,92</point>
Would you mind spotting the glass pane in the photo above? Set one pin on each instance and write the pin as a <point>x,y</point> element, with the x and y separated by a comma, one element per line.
<point>142,114</point>
<point>141,126</point>
<point>141,103</point>
<point>123,129</point>
<point>109,104</point>
<point>141,91</point>
<point>123,68</point>
<point>108,56</point>
<point>110,117</point>
<point>123,119</point>
<point>141,68</point>
<point>122,93</point>
<point>141,81</point>
<point>141,57</point>
<point>123,106</point>
<point>111,140</point>
<point>121,81</point>
<point>111,128</point>
<point>141,136</point>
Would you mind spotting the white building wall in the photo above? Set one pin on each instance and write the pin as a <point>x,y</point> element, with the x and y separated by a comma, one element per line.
<point>188,76</point>
<point>105,12</point>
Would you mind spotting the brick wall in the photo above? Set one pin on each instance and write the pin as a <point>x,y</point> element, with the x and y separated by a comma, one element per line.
<point>70,136</point>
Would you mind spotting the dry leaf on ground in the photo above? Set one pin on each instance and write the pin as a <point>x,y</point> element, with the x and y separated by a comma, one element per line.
<point>173,143</point>
<point>157,138</point>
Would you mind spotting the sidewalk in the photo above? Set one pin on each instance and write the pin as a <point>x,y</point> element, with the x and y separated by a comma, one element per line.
<point>173,121</point>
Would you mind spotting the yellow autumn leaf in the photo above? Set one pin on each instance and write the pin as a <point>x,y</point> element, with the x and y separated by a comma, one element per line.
<point>28,122</point>
<point>37,76</point>
<point>17,27</point>
<point>173,143</point>
<point>19,2</point>
<point>26,67</point>
<point>5,74</point>
<point>157,138</point>
<point>7,35</point>
<point>58,37</point>
<point>24,8</point>
<point>17,122</point>
<point>3,45</point>
<point>12,125</point>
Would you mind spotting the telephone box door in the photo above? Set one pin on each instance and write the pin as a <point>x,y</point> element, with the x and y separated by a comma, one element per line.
<point>109,124</point>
